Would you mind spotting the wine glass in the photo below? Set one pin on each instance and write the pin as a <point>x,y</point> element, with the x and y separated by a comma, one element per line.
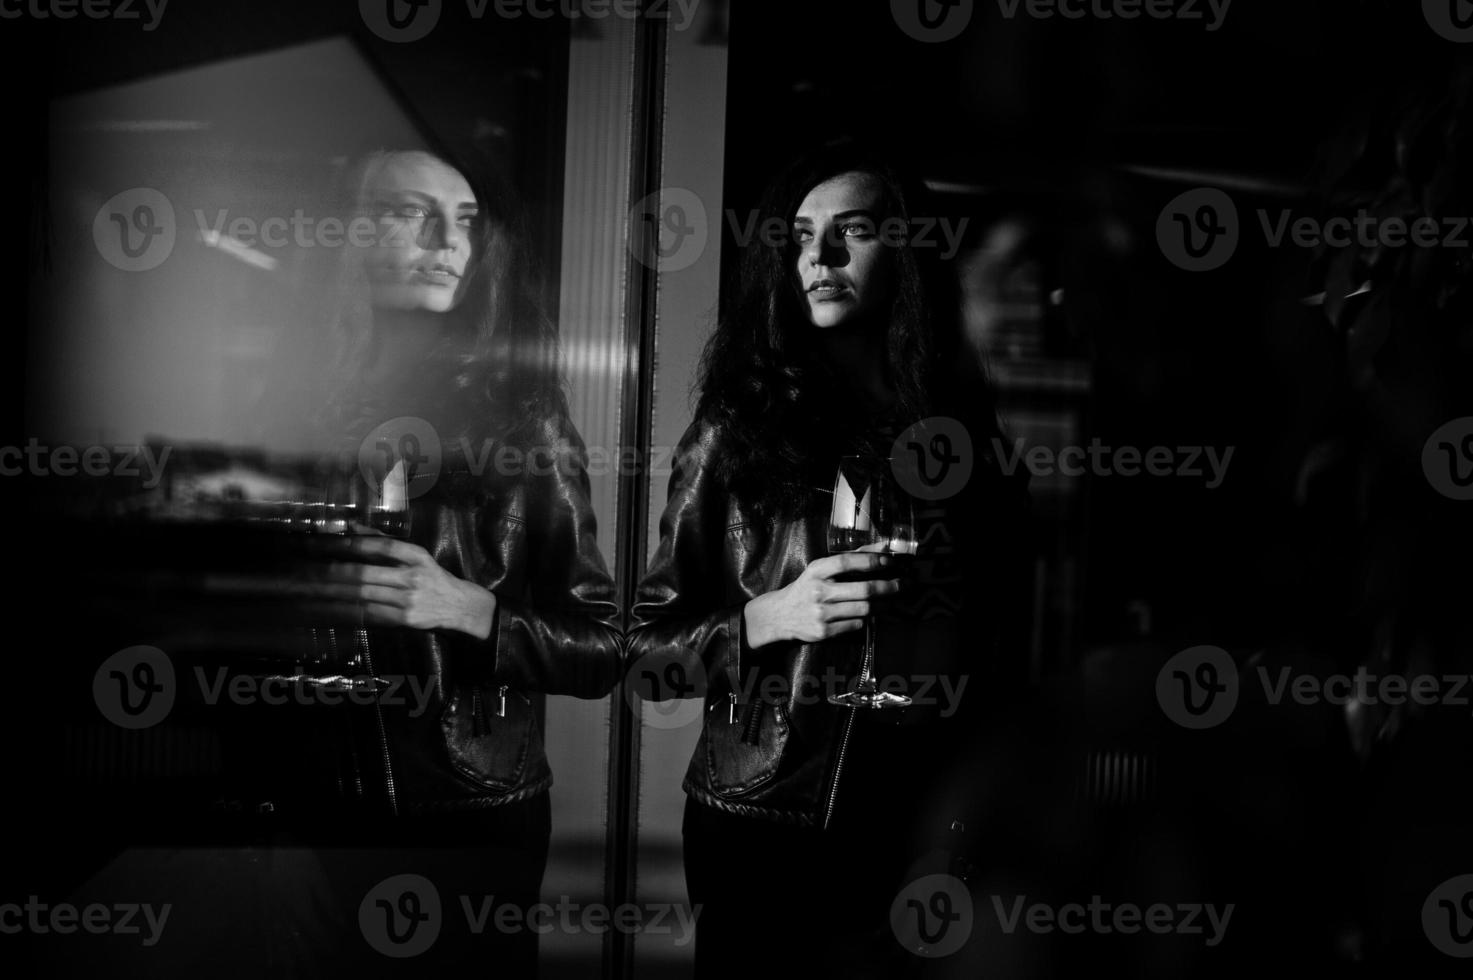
<point>389,513</point>
<point>870,512</point>
<point>380,494</point>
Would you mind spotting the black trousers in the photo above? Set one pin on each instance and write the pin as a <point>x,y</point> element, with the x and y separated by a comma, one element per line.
<point>776,899</point>
<point>471,864</point>
<point>407,897</point>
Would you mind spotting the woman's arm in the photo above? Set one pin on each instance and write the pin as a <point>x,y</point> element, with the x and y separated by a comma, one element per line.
<point>558,634</point>
<point>561,638</point>
<point>682,613</point>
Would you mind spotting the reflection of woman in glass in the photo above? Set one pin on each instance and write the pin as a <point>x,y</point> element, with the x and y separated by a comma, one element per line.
<point>499,594</point>
<point>801,815</point>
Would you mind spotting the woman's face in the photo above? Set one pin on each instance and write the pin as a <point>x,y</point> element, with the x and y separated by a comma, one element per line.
<point>425,212</point>
<point>844,269</point>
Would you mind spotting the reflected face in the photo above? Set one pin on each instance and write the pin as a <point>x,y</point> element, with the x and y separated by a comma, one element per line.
<point>425,212</point>
<point>844,269</point>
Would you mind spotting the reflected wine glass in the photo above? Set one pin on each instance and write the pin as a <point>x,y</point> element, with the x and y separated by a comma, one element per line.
<point>385,502</point>
<point>870,512</point>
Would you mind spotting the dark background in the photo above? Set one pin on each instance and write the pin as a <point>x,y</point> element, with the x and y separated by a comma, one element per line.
<point>1085,130</point>
<point>1325,549</point>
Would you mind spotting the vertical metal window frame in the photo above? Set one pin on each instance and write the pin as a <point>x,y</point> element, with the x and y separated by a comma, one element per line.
<point>595,326</point>
<point>685,128</point>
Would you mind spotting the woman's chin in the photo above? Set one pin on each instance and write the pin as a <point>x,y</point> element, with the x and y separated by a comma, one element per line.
<point>411,299</point>
<point>828,319</point>
<point>835,320</point>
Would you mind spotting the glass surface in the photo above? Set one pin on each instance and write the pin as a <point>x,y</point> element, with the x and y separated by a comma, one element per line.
<point>215,145</point>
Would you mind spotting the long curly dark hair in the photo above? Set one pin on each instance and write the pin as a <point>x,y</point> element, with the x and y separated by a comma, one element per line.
<point>780,407</point>
<point>495,372</point>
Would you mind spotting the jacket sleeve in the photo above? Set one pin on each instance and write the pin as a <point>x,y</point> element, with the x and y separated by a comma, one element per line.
<point>561,636</point>
<point>681,611</point>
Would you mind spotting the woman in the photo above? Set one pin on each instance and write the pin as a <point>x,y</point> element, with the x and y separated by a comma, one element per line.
<point>497,596</point>
<point>799,821</point>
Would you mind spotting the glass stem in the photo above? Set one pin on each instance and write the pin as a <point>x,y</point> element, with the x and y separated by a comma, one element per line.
<point>866,673</point>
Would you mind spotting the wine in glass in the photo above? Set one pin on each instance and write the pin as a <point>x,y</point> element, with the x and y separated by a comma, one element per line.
<point>872,513</point>
<point>379,499</point>
<point>389,512</point>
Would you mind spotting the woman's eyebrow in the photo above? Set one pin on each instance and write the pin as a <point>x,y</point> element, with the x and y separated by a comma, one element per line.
<point>838,216</point>
<point>401,192</point>
<point>406,193</point>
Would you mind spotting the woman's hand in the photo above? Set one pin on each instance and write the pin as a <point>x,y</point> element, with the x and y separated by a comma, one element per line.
<point>415,592</point>
<point>370,580</point>
<point>815,606</point>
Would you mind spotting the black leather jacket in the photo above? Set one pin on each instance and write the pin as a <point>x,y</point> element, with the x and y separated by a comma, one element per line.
<point>474,738</point>
<point>771,746</point>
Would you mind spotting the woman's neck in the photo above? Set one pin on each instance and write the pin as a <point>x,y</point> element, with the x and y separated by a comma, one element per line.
<point>404,339</point>
<point>857,354</point>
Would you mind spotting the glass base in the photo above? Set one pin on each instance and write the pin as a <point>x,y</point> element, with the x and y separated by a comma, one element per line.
<point>869,699</point>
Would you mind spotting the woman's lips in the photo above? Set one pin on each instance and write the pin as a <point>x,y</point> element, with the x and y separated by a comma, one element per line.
<point>826,292</point>
<point>434,277</point>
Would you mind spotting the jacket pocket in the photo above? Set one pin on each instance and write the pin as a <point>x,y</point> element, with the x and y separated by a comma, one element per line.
<point>744,748</point>
<point>489,733</point>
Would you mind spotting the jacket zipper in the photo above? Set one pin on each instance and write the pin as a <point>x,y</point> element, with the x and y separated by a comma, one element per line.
<point>480,720</point>
<point>354,776</point>
<point>828,813</point>
<point>378,719</point>
<point>752,722</point>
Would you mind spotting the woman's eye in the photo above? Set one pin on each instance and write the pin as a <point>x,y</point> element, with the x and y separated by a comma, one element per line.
<point>403,212</point>
<point>803,236</point>
<point>856,229</point>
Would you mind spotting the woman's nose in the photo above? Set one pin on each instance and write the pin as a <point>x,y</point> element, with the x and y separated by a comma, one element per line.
<point>823,249</point>
<point>442,233</point>
<point>813,250</point>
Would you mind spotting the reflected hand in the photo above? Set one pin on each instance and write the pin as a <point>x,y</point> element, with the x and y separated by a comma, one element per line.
<point>413,591</point>
<point>372,580</point>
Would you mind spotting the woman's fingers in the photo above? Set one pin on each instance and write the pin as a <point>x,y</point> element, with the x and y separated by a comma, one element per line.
<point>390,549</point>
<point>363,548</point>
<point>362,573</point>
<point>852,591</point>
<point>346,584</point>
<point>351,614</point>
<point>383,614</point>
<point>383,595</point>
<point>836,611</point>
<point>848,563</point>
